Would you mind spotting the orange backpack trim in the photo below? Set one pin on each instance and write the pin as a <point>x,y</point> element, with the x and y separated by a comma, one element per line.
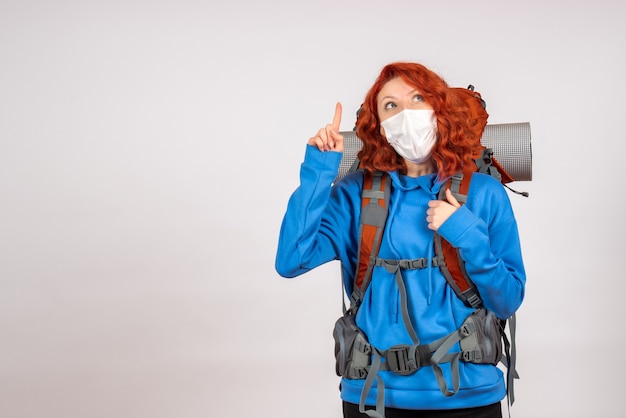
<point>374,209</point>
<point>448,258</point>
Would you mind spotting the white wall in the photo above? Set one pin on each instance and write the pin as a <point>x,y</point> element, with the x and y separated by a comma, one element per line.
<point>147,152</point>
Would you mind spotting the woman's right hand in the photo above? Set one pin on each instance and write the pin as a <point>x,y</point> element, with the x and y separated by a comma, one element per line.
<point>328,138</point>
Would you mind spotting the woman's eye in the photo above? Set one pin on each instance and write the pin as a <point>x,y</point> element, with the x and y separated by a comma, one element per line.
<point>418,98</point>
<point>390,105</point>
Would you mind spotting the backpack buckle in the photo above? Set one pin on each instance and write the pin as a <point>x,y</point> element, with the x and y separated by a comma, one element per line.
<point>401,359</point>
<point>467,329</point>
<point>357,373</point>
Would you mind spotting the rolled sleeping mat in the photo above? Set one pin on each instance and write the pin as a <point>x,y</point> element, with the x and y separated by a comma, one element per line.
<point>510,143</point>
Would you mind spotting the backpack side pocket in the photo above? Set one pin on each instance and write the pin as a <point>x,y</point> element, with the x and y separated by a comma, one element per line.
<point>352,351</point>
<point>484,344</point>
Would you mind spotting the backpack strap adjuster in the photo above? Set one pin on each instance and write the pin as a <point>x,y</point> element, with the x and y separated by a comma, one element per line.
<point>472,356</point>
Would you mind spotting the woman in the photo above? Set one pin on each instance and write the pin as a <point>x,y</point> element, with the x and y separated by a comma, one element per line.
<point>417,131</point>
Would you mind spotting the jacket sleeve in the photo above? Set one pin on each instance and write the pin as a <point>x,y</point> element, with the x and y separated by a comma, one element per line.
<point>311,233</point>
<point>485,232</point>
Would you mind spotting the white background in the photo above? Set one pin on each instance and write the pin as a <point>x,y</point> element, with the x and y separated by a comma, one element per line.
<point>147,152</point>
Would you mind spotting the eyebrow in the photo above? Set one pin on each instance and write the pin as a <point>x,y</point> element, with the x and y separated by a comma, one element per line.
<point>394,97</point>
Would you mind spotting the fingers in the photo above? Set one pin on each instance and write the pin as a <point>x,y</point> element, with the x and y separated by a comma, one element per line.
<point>336,137</point>
<point>439,211</point>
<point>451,199</point>
<point>328,138</point>
<point>320,140</point>
<point>337,118</point>
<point>432,218</point>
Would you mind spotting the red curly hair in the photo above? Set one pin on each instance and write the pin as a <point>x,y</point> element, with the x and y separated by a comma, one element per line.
<point>458,140</point>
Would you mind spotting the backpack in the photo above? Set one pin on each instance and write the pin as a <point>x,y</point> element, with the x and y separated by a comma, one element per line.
<point>481,336</point>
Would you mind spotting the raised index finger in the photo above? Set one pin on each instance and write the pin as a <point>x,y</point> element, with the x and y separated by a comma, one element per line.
<point>337,117</point>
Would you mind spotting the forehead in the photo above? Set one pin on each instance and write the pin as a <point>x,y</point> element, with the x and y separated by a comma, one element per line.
<point>396,87</point>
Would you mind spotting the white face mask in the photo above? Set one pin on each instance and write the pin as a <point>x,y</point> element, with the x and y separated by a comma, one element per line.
<point>412,133</point>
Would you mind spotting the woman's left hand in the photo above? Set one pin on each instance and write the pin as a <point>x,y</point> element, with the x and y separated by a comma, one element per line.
<point>439,210</point>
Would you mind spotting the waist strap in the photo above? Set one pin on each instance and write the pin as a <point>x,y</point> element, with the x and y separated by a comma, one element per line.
<point>407,359</point>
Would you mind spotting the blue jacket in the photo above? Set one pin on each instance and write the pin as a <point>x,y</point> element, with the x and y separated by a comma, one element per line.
<point>322,223</point>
